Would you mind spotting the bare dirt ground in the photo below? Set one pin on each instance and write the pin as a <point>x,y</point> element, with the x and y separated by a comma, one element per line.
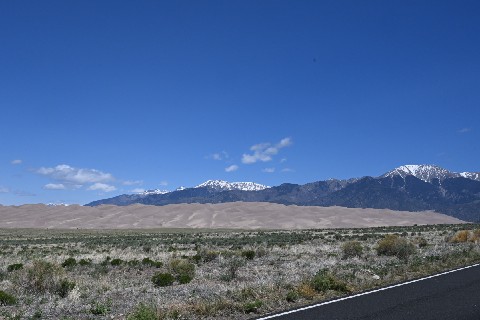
<point>236,215</point>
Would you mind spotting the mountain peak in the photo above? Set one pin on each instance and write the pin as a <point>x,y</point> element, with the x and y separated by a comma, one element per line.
<point>222,185</point>
<point>54,204</point>
<point>427,173</point>
<point>153,191</point>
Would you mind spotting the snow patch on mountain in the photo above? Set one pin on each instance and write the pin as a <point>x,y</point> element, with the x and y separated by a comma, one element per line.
<point>428,172</point>
<point>470,175</point>
<point>222,185</point>
<point>153,191</point>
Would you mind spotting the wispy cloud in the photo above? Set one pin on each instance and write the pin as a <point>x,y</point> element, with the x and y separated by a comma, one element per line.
<point>68,175</point>
<point>163,183</point>
<point>23,193</point>
<point>231,168</point>
<point>138,190</point>
<point>102,187</point>
<point>54,186</point>
<point>464,130</point>
<point>268,170</point>
<point>132,182</point>
<point>218,156</point>
<point>16,161</point>
<point>265,151</point>
<point>287,170</point>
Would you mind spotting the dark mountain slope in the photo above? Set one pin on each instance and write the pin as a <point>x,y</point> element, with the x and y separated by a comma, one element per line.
<point>427,188</point>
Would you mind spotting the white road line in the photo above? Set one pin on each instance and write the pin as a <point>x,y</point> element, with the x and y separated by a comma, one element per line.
<point>364,293</point>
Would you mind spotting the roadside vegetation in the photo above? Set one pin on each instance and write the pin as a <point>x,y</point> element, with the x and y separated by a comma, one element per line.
<point>186,274</point>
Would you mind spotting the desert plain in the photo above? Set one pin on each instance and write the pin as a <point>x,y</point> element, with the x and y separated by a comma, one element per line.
<point>212,261</point>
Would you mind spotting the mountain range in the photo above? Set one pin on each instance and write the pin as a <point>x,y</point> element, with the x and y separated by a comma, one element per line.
<point>407,188</point>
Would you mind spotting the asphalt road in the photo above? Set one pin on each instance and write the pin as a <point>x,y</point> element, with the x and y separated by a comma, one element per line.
<point>455,295</point>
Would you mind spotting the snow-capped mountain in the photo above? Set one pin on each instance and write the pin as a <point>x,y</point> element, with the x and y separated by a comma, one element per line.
<point>51,204</point>
<point>420,190</point>
<point>470,175</point>
<point>153,191</point>
<point>427,173</point>
<point>222,185</point>
<point>218,185</point>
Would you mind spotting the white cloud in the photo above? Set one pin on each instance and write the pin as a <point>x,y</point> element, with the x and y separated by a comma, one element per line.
<point>102,187</point>
<point>231,168</point>
<point>218,156</point>
<point>54,186</point>
<point>265,151</point>
<point>268,170</point>
<point>285,142</point>
<point>4,189</point>
<point>132,182</point>
<point>138,190</point>
<point>73,176</point>
<point>17,161</point>
<point>283,160</point>
<point>464,130</point>
<point>287,170</point>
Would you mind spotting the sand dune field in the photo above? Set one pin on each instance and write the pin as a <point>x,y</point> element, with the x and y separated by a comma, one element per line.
<point>236,215</point>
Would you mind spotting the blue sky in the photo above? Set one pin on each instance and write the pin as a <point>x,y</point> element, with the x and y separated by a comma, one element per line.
<point>100,98</point>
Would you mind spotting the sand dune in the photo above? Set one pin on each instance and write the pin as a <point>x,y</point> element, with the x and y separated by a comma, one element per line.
<point>236,215</point>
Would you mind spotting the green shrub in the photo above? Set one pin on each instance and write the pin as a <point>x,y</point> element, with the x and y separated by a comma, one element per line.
<point>184,279</point>
<point>253,306</point>
<point>392,245</point>
<point>116,262</point>
<point>65,287</point>
<point>196,258</point>
<point>163,279</point>
<point>143,312</point>
<point>324,280</point>
<point>422,242</point>
<point>151,263</point>
<point>69,263</point>
<point>204,255</point>
<point>209,256</point>
<point>7,299</point>
<point>233,264</point>
<point>184,270</point>
<point>85,262</point>
<point>133,263</point>
<point>100,309</point>
<point>248,254</point>
<point>42,276</point>
<point>15,266</point>
<point>352,249</point>
<point>292,296</point>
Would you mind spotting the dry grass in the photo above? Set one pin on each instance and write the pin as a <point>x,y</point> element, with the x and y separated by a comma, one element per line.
<point>234,275</point>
